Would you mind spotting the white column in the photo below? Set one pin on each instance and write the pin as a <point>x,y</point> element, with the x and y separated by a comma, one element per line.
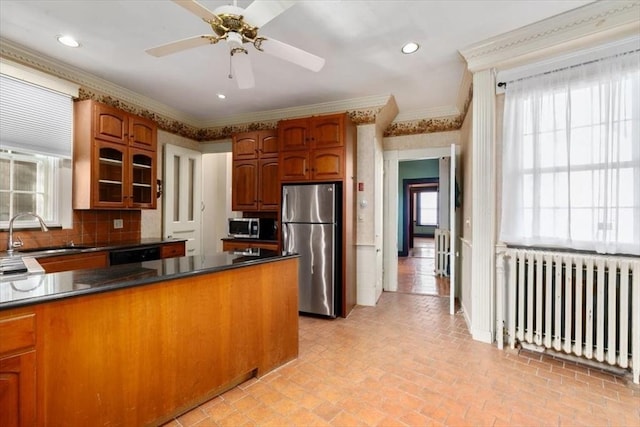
<point>365,216</point>
<point>484,207</point>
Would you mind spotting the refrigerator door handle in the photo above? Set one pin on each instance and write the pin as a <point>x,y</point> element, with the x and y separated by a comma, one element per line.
<point>285,237</point>
<point>285,204</point>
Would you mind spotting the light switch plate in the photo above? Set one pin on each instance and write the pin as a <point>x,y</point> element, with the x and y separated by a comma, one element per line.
<point>117,223</point>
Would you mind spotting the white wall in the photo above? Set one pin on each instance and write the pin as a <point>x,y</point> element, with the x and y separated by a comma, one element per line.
<point>216,179</point>
<point>369,215</point>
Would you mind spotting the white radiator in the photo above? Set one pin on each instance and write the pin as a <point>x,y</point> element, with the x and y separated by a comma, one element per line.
<point>442,242</point>
<point>584,305</point>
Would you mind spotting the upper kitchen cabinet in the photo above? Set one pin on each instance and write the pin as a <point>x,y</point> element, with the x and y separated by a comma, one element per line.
<point>114,158</point>
<point>255,145</point>
<point>117,126</point>
<point>315,148</point>
<point>255,185</point>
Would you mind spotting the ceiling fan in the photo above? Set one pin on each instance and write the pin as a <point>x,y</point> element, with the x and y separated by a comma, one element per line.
<point>238,27</point>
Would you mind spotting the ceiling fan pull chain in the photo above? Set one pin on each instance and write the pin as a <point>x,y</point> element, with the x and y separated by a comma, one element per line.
<point>230,75</point>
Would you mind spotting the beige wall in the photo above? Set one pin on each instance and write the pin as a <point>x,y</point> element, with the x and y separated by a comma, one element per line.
<point>424,140</point>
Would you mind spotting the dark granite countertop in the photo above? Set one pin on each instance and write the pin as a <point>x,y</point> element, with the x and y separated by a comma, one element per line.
<point>248,240</point>
<point>82,248</point>
<point>21,289</point>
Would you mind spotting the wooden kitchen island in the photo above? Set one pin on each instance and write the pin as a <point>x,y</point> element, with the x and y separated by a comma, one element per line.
<point>138,344</point>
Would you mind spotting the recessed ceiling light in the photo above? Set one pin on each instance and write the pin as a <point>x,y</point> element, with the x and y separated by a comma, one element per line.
<point>221,96</point>
<point>68,41</point>
<point>410,47</point>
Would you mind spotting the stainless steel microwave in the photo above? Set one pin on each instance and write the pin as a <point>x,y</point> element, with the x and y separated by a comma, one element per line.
<point>252,228</point>
<point>244,228</point>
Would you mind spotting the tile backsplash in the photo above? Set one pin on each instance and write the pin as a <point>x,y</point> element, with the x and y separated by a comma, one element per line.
<point>89,227</point>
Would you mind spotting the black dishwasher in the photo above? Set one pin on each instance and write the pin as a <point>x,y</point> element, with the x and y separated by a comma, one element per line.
<point>126,256</point>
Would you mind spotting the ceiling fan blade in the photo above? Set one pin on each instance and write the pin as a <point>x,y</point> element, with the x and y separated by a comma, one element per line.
<point>292,54</point>
<point>197,9</point>
<point>260,12</point>
<point>177,46</point>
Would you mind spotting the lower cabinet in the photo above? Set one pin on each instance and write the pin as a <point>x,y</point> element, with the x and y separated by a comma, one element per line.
<point>172,250</point>
<point>99,259</point>
<point>143,355</point>
<point>17,371</point>
<point>235,245</point>
<point>79,261</point>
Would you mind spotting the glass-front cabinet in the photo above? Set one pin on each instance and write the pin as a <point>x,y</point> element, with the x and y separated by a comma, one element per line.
<point>143,174</point>
<point>114,159</point>
<point>124,177</point>
<point>111,174</point>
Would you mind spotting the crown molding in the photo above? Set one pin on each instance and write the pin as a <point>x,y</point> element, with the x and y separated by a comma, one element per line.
<point>595,22</point>
<point>301,111</point>
<point>59,69</point>
<point>428,113</point>
<point>362,110</point>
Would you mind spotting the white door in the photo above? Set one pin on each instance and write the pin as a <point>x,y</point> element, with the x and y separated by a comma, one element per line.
<point>182,196</point>
<point>452,229</point>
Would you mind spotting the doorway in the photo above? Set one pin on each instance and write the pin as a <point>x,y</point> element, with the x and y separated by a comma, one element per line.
<point>393,201</point>
<point>420,209</point>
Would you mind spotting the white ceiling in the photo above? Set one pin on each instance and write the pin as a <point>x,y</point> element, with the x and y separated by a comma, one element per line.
<point>360,41</point>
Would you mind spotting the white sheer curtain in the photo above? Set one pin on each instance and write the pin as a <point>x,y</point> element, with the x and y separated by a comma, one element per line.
<point>571,158</point>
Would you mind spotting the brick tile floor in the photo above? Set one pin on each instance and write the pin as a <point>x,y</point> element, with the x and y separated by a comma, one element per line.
<point>407,362</point>
<point>416,272</point>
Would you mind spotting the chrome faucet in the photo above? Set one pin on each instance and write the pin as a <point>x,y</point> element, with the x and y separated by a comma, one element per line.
<point>10,243</point>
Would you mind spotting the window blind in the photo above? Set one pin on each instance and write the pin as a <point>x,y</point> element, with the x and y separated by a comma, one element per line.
<point>34,119</point>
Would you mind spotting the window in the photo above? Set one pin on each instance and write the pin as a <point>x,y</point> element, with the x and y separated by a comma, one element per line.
<point>428,207</point>
<point>27,183</point>
<point>35,149</point>
<point>571,158</point>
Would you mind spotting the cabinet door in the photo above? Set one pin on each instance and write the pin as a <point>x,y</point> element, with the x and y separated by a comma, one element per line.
<point>327,131</point>
<point>74,262</point>
<point>18,390</point>
<point>234,245</point>
<point>109,175</point>
<point>172,250</point>
<point>142,133</point>
<point>110,124</point>
<point>327,164</point>
<point>294,166</point>
<point>269,185</point>
<point>245,146</point>
<point>268,144</point>
<point>143,179</point>
<point>293,134</point>
<point>244,191</point>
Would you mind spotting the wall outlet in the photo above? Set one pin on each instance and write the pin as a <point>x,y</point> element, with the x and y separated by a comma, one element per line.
<point>117,223</point>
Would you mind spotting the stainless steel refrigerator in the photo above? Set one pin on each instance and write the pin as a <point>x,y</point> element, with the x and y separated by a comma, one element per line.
<point>310,227</point>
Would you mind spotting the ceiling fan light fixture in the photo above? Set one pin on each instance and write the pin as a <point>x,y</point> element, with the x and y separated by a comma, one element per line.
<point>68,41</point>
<point>410,48</point>
<point>221,96</point>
